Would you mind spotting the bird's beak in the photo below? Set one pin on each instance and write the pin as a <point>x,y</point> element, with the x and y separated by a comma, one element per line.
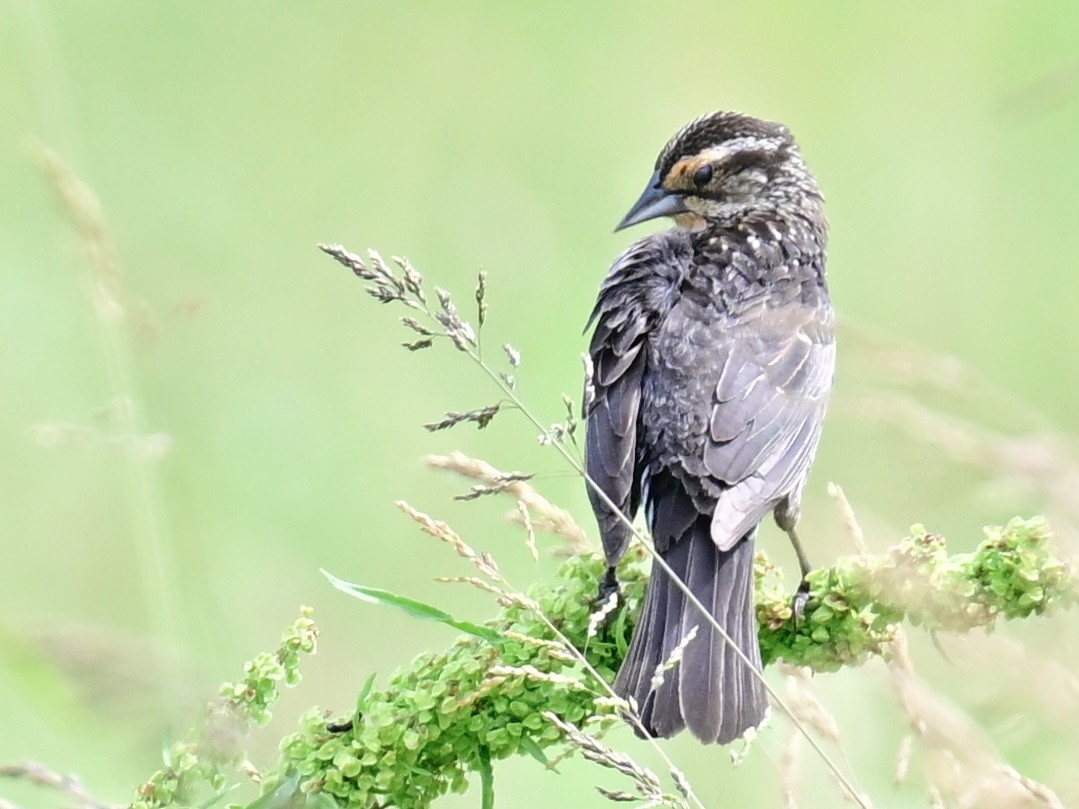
<point>656,201</point>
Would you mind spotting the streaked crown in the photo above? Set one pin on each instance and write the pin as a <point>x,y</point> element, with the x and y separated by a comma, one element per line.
<point>727,165</point>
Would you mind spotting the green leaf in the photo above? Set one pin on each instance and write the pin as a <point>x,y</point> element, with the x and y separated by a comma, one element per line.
<point>216,798</point>
<point>285,795</point>
<point>528,744</point>
<point>320,800</point>
<point>368,686</point>
<point>417,609</point>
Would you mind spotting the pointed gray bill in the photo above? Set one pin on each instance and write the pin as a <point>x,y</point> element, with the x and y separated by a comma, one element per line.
<point>656,201</point>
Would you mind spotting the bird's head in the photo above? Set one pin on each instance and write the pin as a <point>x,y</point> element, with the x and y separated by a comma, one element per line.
<point>724,166</point>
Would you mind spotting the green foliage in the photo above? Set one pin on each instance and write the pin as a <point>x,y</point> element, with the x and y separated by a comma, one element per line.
<point>449,714</point>
<point>526,681</point>
<point>855,605</point>
<point>1015,572</point>
<point>442,716</point>
<point>205,759</point>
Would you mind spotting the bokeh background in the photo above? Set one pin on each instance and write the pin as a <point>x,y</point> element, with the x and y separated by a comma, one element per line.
<point>276,419</point>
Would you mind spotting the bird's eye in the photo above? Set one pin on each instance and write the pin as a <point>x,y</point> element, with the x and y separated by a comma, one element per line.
<point>702,176</point>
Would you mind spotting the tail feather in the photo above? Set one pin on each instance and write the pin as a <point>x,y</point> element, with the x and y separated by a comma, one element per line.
<point>712,691</point>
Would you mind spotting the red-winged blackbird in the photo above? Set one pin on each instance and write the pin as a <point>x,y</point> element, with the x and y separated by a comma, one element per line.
<point>713,358</point>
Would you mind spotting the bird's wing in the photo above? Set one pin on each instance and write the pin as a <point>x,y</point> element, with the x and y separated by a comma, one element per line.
<point>776,374</point>
<point>637,290</point>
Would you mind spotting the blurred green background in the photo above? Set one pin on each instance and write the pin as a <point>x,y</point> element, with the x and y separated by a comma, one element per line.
<point>224,140</point>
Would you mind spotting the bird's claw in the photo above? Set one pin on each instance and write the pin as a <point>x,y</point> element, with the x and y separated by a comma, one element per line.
<point>602,603</point>
<point>799,602</point>
<point>608,585</point>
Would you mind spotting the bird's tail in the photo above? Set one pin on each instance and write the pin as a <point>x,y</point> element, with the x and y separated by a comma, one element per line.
<point>711,690</point>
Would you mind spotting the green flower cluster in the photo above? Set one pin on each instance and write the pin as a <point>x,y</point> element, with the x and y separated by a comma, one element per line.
<point>446,714</point>
<point>840,625</point>
<point>217,745</point>
<point>1016,572</point>
<point>450,714</point>
<point>856,605</point>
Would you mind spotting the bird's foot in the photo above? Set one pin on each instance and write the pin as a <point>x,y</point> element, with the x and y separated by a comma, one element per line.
<point>798,603</point>
<point>607,599</point>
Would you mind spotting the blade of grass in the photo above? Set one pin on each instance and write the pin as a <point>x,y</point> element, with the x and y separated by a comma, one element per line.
<point>417,609</point>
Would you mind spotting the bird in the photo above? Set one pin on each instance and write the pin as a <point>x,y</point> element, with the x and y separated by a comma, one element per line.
<point>712,361</point>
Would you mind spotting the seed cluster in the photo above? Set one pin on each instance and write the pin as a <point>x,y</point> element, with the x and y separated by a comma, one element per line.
<point>445,714</point>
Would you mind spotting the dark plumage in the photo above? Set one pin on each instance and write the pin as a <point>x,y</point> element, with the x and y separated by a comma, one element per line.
<point>713,356</point>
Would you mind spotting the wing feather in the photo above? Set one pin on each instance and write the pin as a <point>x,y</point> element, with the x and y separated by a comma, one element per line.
<point>769,403</point>
<point>636,293</point>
